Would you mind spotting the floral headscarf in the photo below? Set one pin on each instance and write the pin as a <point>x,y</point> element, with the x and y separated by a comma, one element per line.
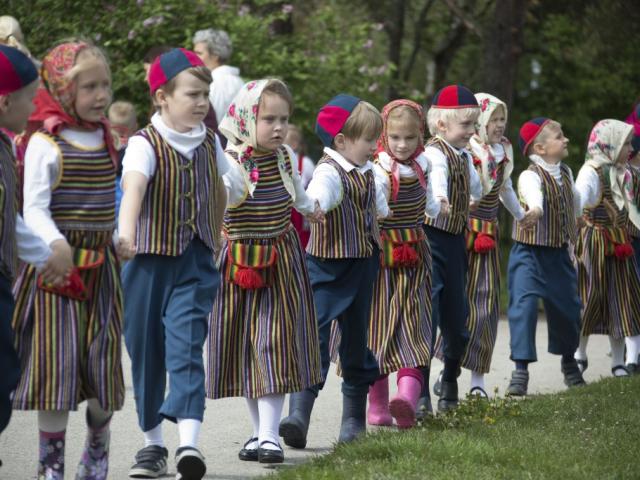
<point>54,103</point>
<point>239,125</point>
<point>383,145</point>
<point>482,150</point>
<point>605,144</point>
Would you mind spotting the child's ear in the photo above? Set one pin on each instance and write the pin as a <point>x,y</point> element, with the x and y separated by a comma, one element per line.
<point>4,103</point>
<point>339,140</point>
<point>441,125</point>
<point>538,149</point>
<point>160,97</point>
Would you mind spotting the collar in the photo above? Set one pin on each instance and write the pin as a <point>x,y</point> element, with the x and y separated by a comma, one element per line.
<point>225,70</point>
<point>344,163</point>
<point>498,152</point>
<point>184,143</point>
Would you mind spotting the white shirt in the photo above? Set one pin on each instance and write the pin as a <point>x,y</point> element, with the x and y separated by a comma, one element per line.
<point>440,173</point>
<point>224,87</point>
<point>588,186</point>
<point>530,184</point>
<point>140,156</point>
<point>31,248</point>
<point>41,172</point>
<point>508,195</point>
<point>326,186</point>
<point>382,170</point>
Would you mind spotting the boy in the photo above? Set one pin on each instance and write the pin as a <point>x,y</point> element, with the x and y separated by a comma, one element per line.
<point>342,257</point>
<point>539,264</point>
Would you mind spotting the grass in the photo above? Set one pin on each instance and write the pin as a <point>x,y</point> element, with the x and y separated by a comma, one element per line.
<point>589,432</point>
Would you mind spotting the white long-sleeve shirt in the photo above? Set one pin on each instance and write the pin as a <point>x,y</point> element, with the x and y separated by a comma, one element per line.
<point>326,185</point>
<point>224,87</point>
<point>508,195</point>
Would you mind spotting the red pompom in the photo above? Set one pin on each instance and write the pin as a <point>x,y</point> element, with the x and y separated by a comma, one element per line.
<point>405,256</point>
<point>623,251</point>
<point>249,279</point>
<point>484,243</point>
<point>75,284</point>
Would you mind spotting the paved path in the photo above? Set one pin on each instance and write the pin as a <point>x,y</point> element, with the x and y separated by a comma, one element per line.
<point>227,424</point>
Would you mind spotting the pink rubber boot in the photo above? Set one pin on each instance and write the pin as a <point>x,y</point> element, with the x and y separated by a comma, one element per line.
<point>403,405</point>
<point>378,412</point>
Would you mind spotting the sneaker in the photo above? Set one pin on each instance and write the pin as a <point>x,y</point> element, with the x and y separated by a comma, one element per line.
<point>519,383</point>
<point>151,462</point>
<point>190,464</point>
<point>572,374</point>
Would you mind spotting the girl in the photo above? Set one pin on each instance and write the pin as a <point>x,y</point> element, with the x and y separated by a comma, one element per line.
<point>400,318</point>
<point>263,340</point>
<point>68,339</point>
<point>608,280</point>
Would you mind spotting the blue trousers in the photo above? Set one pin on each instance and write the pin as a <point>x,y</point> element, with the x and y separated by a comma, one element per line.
<point>449,303</point>
<point>167,301</point>
<point>542,273</point>
<point>342,290</point>
<point>9,361</point>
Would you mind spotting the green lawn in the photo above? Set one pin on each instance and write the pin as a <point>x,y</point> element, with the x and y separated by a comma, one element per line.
<point>590,432</point>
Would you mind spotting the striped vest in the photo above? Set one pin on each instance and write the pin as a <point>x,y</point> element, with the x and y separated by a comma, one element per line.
<point>180,202</point>
<point>488,208</point>
<point>557,226</point>
<point>8,209</point>
<point>84,197</point>
<point>351,229</point>
<point>267,213</point>
<point>458,190</point>
<point>598,215</point>
<point>408,208</point>
<point>635,175</point>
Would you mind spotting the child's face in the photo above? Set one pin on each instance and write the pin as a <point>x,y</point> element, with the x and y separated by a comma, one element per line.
<point>93,91</point>
<point>457,132</point>
<point>496,126</point>
<point>273,122</point>
<point>624,152</point>
<point>635,160</point>
<point>554,147</point>
<point>187,106</point>
<point>16,108</point>
<point>358,151</point>
<point>402,141</point>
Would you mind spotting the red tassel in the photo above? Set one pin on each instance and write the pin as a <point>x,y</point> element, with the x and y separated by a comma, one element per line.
<point>484,243</point>
<point>249,279</point>
<point>76,285</point>
<point>405,256</point>
<point>623,251</point>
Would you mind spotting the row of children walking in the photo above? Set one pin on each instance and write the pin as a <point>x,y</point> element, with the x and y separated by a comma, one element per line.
<point>396,230</point>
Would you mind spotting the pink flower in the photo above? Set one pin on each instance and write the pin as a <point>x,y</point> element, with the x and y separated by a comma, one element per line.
<point>232,110</point>
<point>254,109</point>
<point>242,124</point>
<point>485,104</point>
<point>368,43</point>
<point>287,8</point>
<point>251,85</point>
<point>593,137</point>
<point>254,175</point>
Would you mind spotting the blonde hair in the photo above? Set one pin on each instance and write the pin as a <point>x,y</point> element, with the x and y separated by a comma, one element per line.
<point>365,121</point>
<point>123,114</point>
<point>279,88</point>
<point>544,134</point>
<point>11,34</point>
<point>87,59</point>
<point>406,117</point>
<point>446,115</point>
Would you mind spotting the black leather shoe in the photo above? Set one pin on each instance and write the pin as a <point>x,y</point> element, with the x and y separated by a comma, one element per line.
<point>266,455</point>
<point>449,397</point>
<point>424,408</point>
<point>249,454</point>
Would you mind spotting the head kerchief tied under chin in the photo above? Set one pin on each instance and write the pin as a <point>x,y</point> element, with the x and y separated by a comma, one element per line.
<point>332,117</point>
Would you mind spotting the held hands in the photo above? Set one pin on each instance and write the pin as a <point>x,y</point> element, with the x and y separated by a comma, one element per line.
<point>126,248</point>
<point>59,265</point>
<point>473,205</point>
<point>317,216</point>
<point>445,208</point>
<point>530,218</point>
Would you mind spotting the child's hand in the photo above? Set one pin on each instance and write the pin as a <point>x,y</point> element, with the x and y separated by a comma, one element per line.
<point>126,248</point>
<point>580,222</point>
<point>473,205</point>
<point>530,218</point>
<point>445,208</point>
<point>59,264</point>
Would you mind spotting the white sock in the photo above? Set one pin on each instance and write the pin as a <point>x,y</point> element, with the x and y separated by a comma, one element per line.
<point>581,353</point>
<point>188,431</point>
<point>154,436</point>
<point>270,409</point>
<point>633,348</point>
<point>617,355</point>
<point>97,416</point>
<point>53,421</point>
<point>252,403</point>
<point>477,380</point>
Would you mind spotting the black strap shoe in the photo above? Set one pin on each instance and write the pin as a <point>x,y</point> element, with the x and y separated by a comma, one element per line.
<point>249,454</point>
<point>449,397</point>
<point>267,455</point>
<point>424,408</point>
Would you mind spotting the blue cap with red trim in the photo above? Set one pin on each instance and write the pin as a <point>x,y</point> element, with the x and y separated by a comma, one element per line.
<point>529,131</point>
<point>16,70</point>
<point>454,96</point>
<point>333,116</point>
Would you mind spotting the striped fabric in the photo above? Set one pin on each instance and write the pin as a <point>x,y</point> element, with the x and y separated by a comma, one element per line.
<point>635,175</point>
<point>557,225</point>
<point>350,230</point>
<point>400,318</point>
<point>458,191</point>
<point>609,286</point>
<point>8,209</point>
<point>70,350</point>
<point>181,198</point>
<point>264,341</point>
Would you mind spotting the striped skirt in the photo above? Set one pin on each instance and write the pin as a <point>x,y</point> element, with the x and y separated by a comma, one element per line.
<point>70,350</point>
<point>264,341</point>
<point>609,288</point>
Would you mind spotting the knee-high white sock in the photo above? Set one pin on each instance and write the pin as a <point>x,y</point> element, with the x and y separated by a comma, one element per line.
<point>477,380</point>
<point>188,431</point>
<point>270,409</point>
<point>581,353</point>
<point>633,348</point>
<point>53,421</point>
<point>252,403</point>
<point>154,436</point>
<point>617,354</point>
<point>96,415</point>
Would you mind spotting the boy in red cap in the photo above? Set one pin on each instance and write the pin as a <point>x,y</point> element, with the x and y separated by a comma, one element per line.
<point>540,265</point>
<point>170,224</point>
<point>342,258</point>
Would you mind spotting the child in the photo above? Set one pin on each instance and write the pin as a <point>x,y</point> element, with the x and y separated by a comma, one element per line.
<point>305,168</point>
<point>122,116</point>
<point>400,318</point>
<point>451,120</point>
<point>169,225</point>
<point>69,201</point>
<point>263,340</point>
<point>342,257</point>
<point>539,264</point>
<point>18,84</point>
<point>607,270</point>
<point>633,343</point>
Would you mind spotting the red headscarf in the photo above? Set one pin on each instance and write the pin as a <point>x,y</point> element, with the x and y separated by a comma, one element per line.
<point>383,146</point>
<point>54,103</point>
